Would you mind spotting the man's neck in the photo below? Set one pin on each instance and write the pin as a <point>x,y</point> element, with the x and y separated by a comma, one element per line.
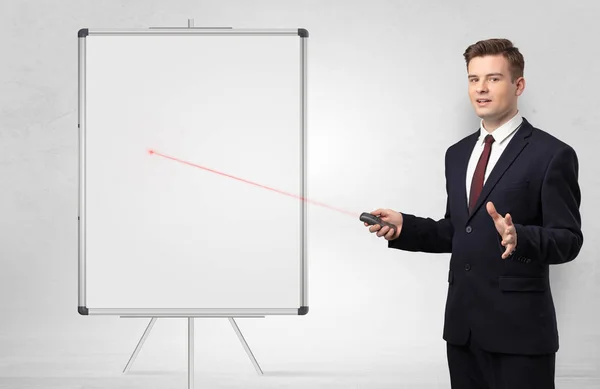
<point>491,125</point>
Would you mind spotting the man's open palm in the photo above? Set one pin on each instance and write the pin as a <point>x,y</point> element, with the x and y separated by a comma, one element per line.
<point>505,228</point>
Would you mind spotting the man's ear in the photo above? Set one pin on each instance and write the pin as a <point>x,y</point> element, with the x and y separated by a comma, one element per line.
<point>520,83</point>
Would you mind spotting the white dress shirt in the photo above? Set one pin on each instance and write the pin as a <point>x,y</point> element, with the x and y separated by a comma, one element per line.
<point>502,136</point>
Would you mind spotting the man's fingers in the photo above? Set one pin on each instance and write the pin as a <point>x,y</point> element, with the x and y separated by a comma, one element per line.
<point>508,219</point>
<point>384,230</point>
<point>390,234</point>
<point>374,228</point>
<point>510,231</point>
<point>492,211</point>
<point>377,212</point>
<point>509,249</point>
<point>506,252</point>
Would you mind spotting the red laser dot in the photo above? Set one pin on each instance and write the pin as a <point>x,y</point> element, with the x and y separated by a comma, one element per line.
<point>150,151</point>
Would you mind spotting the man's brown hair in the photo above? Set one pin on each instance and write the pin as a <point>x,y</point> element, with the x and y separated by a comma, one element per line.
<point>498,46</point>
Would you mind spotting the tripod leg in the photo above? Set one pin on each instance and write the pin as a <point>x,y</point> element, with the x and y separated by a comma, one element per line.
<point>140,344</point>
<point>190,352</point>
<point>248,351</point>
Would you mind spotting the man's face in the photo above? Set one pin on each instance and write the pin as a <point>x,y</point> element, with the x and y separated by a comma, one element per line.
<point>491,90</point>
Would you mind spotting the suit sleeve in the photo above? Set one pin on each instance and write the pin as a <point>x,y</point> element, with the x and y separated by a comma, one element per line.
<point>426,234</point>
<point>559,238</point>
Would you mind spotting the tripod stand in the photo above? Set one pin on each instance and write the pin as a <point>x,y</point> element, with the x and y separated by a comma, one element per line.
<point>191,347</point>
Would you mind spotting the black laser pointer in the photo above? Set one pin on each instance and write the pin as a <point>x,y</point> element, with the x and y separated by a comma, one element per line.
<point>372,220</point>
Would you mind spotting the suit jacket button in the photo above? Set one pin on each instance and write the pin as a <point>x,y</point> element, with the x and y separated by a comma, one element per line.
<point>469,229</point>
<point>467,267</point>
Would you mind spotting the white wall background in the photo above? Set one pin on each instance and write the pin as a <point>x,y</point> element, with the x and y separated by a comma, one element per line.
<point>387,96</point>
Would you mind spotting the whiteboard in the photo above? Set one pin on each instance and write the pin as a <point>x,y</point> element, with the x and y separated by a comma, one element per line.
<point>192,172</point>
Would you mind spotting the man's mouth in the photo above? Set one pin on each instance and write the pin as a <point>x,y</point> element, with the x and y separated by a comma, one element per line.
<point>483,100</point>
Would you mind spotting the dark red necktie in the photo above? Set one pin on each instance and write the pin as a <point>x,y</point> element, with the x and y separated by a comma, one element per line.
<point>479,175</point>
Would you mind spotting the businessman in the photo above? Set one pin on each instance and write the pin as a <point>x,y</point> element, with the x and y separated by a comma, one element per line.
<point>512,211</point>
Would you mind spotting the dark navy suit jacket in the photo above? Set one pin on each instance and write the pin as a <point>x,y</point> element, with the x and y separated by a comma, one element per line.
<point>505,304</point>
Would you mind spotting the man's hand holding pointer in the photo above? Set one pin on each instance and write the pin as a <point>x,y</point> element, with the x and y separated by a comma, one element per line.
<point>387,215</point>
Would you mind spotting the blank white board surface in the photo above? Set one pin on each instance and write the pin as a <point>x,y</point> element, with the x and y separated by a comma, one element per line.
<point>192,172</point>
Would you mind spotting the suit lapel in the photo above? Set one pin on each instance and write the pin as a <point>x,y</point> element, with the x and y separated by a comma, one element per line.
<point>512,151</point>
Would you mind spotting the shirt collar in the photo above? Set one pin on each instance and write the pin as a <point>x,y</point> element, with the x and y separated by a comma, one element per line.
<point>501,133</point>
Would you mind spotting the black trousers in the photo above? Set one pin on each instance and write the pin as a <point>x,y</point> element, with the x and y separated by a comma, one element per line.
<point>473,368</point>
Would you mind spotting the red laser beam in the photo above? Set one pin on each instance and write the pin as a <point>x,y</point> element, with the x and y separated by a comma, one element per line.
<point>154,152</point>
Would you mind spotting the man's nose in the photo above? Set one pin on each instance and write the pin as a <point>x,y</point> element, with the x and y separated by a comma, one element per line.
<point>482,87</point>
